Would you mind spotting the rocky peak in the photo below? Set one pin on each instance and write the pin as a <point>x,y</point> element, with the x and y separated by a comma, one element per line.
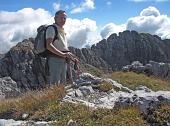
<point>23,66</point>
<point>129,46</point>
<point>119,50</point>
<point>1,56</point>
<point>28,70</point>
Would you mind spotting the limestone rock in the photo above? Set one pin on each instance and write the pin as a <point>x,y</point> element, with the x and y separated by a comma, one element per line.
<point>28,70</point>
<point>23,66</point>
<point>8,88</point>
<point>152,68</point>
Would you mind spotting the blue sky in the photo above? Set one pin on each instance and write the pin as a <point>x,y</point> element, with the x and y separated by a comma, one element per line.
<point>88,20</point>
<point>104,11</point>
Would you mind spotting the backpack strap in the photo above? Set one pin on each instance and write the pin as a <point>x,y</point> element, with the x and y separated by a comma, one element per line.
<point>56,32</point>
<point>47,52</point>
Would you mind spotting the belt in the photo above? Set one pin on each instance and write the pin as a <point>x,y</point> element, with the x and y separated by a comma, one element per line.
<point>66,51</point>
<point>54,55</point>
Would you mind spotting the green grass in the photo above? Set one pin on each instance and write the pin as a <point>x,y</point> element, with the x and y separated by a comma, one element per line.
<point>46,105</point>
<point>159,115</point>
<point>84,116</point>
<point>91,69</point>
<point>105,86</point>
<point>31,101</point>
<point>133,80</point>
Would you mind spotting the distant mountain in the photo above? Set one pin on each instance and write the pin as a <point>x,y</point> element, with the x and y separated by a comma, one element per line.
<point>23,66</point>
<point>118,51</point>
<point>1,56</point>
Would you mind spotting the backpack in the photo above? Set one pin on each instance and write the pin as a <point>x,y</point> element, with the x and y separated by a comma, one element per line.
<point>40,40</point>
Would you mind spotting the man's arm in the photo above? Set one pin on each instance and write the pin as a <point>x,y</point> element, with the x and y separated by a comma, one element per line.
<point>51,48</point>
<point>50,33</point>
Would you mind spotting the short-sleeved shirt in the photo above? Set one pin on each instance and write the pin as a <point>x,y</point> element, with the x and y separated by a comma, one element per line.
<point>61,43</point>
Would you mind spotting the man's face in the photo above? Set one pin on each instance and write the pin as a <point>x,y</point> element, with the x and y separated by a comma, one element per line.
<point>61,19</point>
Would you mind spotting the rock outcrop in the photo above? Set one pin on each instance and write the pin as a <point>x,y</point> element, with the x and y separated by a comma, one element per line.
<point>85,91</point>
<point>23,66</point>
<point>12,122</point>
<point>90,57</point>
<point>152,68</point>
<point>8,88</point>
<point>1,56</point>
<point>28,70</point>
<point>119,50</point>
<point>131,46</point>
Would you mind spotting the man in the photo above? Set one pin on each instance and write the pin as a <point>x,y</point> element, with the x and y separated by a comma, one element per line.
<point>57,59</point>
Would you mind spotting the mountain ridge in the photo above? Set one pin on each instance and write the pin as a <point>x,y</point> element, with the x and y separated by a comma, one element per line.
<point>28,70</point>
<point>120,50</point>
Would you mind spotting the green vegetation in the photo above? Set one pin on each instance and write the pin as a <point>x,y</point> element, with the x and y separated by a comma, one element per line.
<point>84,116</point>
<point>30,102</point>
<point>45,105</point>
<point>159,115</point>
<point>105,86</point>
<point>133,80</point>
<point>91,69</point>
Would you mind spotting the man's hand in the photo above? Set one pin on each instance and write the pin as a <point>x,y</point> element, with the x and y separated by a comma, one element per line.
<point>72,57</point>
<point>68,55</point>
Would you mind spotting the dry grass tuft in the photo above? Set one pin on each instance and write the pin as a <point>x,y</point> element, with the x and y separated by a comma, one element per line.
<point>105,86</point>
<point>33,100</point>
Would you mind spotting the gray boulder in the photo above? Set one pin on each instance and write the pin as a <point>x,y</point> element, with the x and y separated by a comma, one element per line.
<point>8,88</point>
<point>24,66</point>
<point>161,70</point>
<point>142,96</point>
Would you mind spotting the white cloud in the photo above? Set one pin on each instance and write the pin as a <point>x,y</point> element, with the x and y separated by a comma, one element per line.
<point>164,30</point>
<point>86,5</point>
<point>20,25</point>
<point>150,11</point>
<point>111,28</point>
<point>108,3</point>
<point>56,6</point>
<point>150,21</point>
<point>78,31</point>
<point>16,26</point>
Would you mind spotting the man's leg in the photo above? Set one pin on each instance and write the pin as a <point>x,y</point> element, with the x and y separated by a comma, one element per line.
<point>55,70</point>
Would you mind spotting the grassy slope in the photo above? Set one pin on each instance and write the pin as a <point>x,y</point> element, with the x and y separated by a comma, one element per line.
<point>132,80</point>
<point>45,105</point>
<point>40,109</point>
